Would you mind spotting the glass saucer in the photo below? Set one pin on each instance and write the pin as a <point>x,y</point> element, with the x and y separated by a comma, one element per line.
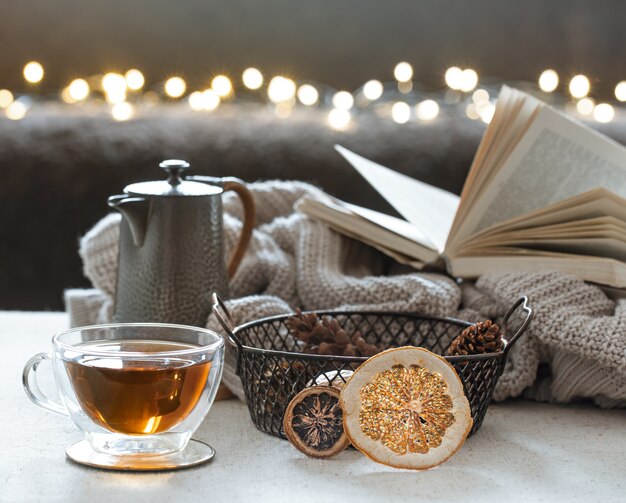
<point>194,454</point>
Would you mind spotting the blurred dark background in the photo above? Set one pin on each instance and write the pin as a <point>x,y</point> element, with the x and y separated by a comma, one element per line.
<point>341,43</point>
<point>58,168</point>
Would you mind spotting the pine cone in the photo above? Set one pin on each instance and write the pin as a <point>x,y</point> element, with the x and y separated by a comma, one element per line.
<point>482,337</point>
<point>327,337</point>
<point>363,347</point>
<point>306,327</point>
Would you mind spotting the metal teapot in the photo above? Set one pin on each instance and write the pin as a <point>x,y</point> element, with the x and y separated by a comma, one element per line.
<point>171,249</point>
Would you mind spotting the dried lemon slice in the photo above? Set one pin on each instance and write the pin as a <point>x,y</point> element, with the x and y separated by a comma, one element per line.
<point>406,408</point>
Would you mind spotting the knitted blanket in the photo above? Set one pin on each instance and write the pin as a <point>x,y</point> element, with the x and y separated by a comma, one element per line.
<point>575,348</point>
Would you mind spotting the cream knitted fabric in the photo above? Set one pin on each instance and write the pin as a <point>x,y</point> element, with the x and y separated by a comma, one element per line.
<point>295,262</point>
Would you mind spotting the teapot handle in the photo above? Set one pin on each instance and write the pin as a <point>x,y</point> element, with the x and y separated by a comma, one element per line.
<point>249,209</point>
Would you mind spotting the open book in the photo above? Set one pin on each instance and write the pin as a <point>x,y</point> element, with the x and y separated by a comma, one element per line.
<point>544,193</point>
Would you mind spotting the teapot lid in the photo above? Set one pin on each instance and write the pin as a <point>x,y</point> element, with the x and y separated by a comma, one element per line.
<point>174,185</point>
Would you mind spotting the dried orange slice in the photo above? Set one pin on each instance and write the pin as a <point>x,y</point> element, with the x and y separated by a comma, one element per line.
<point>313,422</point>
<point>406,408</point>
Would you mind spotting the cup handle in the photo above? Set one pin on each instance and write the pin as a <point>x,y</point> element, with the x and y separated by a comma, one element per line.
<point>32,389</point>
<point>249,209</point>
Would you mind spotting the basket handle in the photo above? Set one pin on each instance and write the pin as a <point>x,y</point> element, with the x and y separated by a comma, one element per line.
<point>523,301</point>
<point>227,324</point>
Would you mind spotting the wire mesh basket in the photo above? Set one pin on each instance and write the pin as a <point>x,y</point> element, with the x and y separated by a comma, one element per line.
<point>273,370</point>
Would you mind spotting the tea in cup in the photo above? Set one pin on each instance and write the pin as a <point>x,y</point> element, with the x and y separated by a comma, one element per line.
<point>134,389</point>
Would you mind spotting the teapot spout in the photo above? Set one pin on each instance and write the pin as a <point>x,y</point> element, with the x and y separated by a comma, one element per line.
<point>135,211</point>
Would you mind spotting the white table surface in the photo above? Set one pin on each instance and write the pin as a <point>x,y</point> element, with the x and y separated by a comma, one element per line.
<point>523,452</point>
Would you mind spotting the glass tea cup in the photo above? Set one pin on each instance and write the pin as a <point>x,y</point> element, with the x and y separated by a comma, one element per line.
<point>132,388</point>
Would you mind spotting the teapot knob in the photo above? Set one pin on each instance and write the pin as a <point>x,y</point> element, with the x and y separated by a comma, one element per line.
<point>174,169</point>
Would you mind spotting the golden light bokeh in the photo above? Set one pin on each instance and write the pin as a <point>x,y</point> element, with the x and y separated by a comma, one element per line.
<point>210,100</point>
<point>204,100</point>
<point>33,72</point>
<point>454,77</point>
<point>122,111</point>
<point>603,112</point>
<point>195,101</point>
<point>308,95</point>
<point>252,78</point>
<point>134,79</point>
<point>403,72</point>
<point>548,80</point>
<point>175,87</point>
<point>585,106</point>
<point>579,86</point>
<point>115,96</point>
<point>113,83</point>
<point>281,89</point>
<point>373,89</point>
<point>6,98</point>
<point>486,112</point>
<point>469,80</point>
<point>427,110</point>
<point>480,96</point>
<point>78,89</point>
<point>620,91</point>
<point>343,100</point>
<point>285,93</point>
<point>339,119</point>
<point>472,112</point>
<point>16,110</point>
<point>401,112</point>
<point>114,87</point>
<point>222,86</point>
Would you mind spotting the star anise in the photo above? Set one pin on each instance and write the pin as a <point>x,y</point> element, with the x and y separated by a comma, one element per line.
<point>313,422</point>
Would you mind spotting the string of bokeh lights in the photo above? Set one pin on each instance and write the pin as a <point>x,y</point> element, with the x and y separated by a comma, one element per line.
<point>400,101</point>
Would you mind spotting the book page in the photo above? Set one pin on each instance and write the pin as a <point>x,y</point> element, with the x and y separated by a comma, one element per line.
<point>393,224</point>
<point>564,229</point>
<point>504,113</point>
<point>605,244</point>
<point>518,116</point>
<point>514,111</point>
<point>428,208</point>
<point>391,235</point>
<point>556,159</point>
<point>588,235</point>
<point>591,204</point>
<point>601,270</point>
